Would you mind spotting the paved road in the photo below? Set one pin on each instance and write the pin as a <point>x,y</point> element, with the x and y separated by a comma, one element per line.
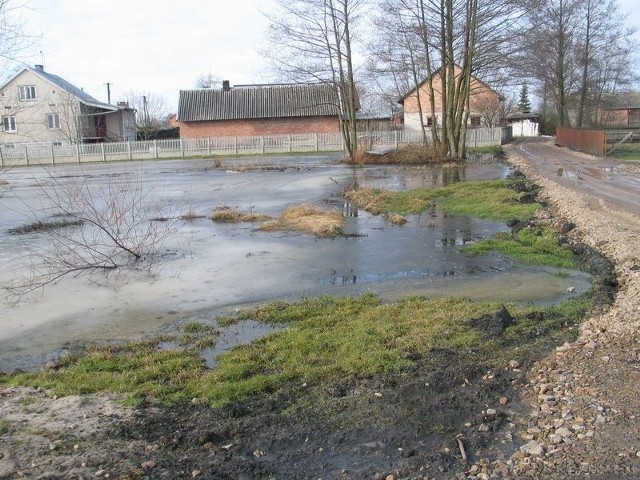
<point>607,182</point>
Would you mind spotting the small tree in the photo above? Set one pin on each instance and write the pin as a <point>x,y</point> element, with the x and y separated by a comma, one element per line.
<point>524,105</point>
<point>111,226</point>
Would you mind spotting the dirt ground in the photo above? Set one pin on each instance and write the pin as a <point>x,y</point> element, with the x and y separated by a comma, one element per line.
<point>573,413</point>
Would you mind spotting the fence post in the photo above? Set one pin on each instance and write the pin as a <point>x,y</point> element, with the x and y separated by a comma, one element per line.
<point>317,143</point>
<point>182,147</point>
<point>235,145</point>
<point>78,152</point>
<point>53,157</point>
<point>26,154</point>
<point>104,155</point>
<point>262,145</point>
<point>155,148</point>
<point>1,158</point>
<point>208,146</point>
<point>129,152</point>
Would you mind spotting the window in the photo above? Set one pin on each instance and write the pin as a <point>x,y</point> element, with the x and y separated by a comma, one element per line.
<point>53,120</point>
<point>27,92</point>
<point>9,124</point>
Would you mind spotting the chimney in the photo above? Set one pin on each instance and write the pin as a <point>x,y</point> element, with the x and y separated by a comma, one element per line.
<point>40,68</point>
<point>225,86</point>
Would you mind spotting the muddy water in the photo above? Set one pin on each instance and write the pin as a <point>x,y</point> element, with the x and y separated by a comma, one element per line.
<point>211,267</point>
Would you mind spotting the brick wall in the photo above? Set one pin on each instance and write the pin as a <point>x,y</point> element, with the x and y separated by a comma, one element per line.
<point>260,127</point>
<point>482,99</point>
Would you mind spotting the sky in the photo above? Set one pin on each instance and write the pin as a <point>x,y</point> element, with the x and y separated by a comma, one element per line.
<point>159,46</point>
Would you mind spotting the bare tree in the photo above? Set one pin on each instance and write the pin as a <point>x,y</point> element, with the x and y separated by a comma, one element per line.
<point>151,112</point>
<point>574,51</point>
<point>444,44</point>
<point>313,41</point>
<point>208,80</point>
<point>89,228</point>
<point>15,37</point>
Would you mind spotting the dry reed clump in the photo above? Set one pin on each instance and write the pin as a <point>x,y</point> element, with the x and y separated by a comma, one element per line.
<point>230,215</point>
<point>370,199</point>
<point>306,218</point>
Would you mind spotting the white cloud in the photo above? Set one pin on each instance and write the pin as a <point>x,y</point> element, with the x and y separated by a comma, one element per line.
<point>160,46</point>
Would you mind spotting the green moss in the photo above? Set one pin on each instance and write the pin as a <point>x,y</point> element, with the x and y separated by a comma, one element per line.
<point>492,199</point>
<point>328,339</point>
<point>534,245</point>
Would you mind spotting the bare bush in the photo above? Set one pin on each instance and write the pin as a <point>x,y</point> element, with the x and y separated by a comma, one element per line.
<point>113,225</point>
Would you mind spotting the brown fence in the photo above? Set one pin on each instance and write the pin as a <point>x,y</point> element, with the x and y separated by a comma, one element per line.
<point>588,141</point>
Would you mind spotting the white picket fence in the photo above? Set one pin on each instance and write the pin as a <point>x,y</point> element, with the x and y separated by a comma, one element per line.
<point>51,154</point>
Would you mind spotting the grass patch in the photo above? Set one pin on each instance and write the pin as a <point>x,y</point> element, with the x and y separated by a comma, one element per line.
<point>327,339</point>
<point>629,153</point>
<point>41,226</point>
<point>493,199</point>
<point>232,215</point>
<point>5,426</point>
<point>308,219</point>
<point>495,150</point>
<point>534,245</point>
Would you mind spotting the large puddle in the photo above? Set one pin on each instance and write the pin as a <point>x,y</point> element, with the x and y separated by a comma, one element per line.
<point>215,267</point>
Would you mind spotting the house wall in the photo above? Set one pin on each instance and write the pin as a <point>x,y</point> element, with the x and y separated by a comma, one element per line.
<point>31,115</point>
<point>483,99</point>
<point>525,128</point>
<point>259,127</point>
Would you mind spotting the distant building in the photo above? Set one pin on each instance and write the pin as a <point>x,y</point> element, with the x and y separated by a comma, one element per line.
<point>37,106</point>
<point>484,103</point>
<point>524,124</point>
<point>619,109</point>
<point>258,110</point>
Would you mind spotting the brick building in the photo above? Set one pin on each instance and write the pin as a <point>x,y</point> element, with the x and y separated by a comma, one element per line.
<point>484,103</point>
<point>258,110</point>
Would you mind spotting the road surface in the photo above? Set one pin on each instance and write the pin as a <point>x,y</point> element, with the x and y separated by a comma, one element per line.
<point>607,182</point>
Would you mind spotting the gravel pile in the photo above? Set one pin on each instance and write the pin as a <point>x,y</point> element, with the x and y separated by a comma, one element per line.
<point>585,398</point>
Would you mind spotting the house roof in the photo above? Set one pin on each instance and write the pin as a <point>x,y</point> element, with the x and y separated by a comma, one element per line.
<point>522,116</point>
<point>257,101</point>
<point>66,86</point>
<point>616,101</point>
<point>436,72</point>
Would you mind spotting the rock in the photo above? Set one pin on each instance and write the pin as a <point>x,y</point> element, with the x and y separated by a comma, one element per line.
<point>533,449</point>
<point>513,364</point>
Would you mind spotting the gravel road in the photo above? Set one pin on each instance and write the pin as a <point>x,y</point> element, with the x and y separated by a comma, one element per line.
<point>585,398</point>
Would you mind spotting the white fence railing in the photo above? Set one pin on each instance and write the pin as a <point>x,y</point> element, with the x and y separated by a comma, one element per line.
<point>42,154</point>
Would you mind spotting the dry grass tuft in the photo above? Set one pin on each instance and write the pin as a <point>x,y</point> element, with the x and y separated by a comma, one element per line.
<point>370,199</point>
<point>396,219</point>
<point>232,215</point>
<point>306,218</point>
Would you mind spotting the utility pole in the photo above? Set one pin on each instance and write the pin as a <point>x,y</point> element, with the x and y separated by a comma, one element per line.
<point>108,84</point>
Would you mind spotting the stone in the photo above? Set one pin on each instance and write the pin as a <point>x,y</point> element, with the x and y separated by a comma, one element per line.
<point>533,449</point>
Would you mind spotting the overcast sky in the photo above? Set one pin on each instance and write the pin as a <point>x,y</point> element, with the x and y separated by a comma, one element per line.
<point>159,46</point>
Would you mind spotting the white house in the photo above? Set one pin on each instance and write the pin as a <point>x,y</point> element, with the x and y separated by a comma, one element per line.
<point>37,106</point>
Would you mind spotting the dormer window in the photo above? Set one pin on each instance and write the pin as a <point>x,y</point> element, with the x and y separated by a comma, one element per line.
<point>27,92</point>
